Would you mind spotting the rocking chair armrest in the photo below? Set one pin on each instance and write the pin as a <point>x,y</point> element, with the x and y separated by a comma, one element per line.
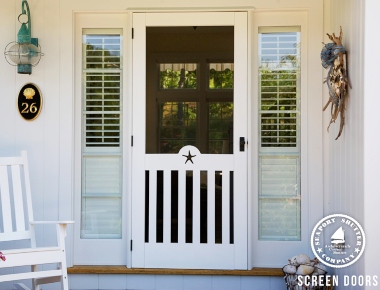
<point>60,227</point>
<point>50,222</point>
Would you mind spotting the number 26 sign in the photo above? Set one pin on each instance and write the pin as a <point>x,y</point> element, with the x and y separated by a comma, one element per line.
<point>29,102</point>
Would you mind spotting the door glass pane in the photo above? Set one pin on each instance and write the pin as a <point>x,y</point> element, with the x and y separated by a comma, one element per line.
<point>220,130</point>
<point>178,76</point>
<point>221,76</point>
<point>189,89</point>
<point>178,125</point>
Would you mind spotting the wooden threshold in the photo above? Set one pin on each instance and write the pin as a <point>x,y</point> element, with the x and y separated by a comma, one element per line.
<point>125,270</point>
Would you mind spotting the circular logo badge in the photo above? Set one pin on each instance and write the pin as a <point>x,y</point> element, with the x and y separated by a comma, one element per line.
<point>338,240</point>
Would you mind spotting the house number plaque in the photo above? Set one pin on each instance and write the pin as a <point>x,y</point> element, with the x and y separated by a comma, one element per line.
<point>29,102</point>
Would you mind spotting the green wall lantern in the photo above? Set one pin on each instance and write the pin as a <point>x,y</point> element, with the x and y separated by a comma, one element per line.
<point>26,52</point>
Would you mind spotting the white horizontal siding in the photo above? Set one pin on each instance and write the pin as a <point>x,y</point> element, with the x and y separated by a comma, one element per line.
<point>173,282</point>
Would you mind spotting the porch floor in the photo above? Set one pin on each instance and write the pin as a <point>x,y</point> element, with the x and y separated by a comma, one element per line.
<point>124,270</point>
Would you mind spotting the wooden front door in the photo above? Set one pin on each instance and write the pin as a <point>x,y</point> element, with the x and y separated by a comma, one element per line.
<point>189,154</point>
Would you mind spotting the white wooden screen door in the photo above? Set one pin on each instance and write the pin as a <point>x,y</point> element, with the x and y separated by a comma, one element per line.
<point>189,207</point>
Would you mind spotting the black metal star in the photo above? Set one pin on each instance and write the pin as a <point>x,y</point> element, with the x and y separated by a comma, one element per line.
<point>189,157</point>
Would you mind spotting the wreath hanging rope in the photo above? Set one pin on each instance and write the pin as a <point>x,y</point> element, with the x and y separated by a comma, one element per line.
<point>332,57</point>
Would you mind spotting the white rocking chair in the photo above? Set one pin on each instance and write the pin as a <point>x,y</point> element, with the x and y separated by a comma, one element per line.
<point>17,223</point>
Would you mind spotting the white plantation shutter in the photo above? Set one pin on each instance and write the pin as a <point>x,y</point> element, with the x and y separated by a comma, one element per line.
<point>101,197</point>
<point>102,109</point>
<point>101,128</point>
<point>279,200</point>
<point>279,151</point>
<point>102,82</point>
<point>279,112</point>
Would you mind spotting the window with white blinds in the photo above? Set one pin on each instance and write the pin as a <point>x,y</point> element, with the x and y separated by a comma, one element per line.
<point>101,130</point>
<point>102,82</point>
<point>101,197</point>
<point>279,119</point>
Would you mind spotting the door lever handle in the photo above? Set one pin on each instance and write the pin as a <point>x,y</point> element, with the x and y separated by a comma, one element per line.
<point>242,144</point>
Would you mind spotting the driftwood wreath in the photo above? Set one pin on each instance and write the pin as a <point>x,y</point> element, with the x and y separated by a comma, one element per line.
<point>333,57</point>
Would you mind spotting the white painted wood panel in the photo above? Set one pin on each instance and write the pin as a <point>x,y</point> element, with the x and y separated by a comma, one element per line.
<point>178,282</point>
<point>234,254</point>
<point>190,254</point>
<point>371,140</point>
<point>18,198</point>
<point>212,256</point>
<point>188,19</point>
<point>196,207</point>
<point>167,205</point>
<point>226,221</point>
<point>345,169</point>
<point>152,207</point>
<point>50,139</point>
<point>181,207</point>
<point>105,175</point>
<point>311,135</point>
<point>240,130</point>
<point>211,207</point>
<point>5,200</point>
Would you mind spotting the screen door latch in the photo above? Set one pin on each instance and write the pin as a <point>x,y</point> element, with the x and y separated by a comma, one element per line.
<point>242,143</point>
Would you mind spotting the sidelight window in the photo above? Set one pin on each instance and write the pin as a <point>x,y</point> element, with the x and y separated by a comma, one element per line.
<point>279,119</point>
<point>101,146</point>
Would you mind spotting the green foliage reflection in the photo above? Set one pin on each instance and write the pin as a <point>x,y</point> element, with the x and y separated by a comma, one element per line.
<point>178,125</point>
<point>178,79</point>
<point>221,79</point>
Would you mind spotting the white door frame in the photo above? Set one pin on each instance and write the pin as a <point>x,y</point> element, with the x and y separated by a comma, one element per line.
<point>140,22</point>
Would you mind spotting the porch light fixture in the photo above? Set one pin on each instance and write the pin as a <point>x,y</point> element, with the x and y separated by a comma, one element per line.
<point>26,52</point>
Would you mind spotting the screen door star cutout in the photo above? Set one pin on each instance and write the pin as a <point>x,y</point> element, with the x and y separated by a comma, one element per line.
<point>189,157</point>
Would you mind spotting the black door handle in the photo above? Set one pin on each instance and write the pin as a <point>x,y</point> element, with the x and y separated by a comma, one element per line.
<point>242,143</point>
